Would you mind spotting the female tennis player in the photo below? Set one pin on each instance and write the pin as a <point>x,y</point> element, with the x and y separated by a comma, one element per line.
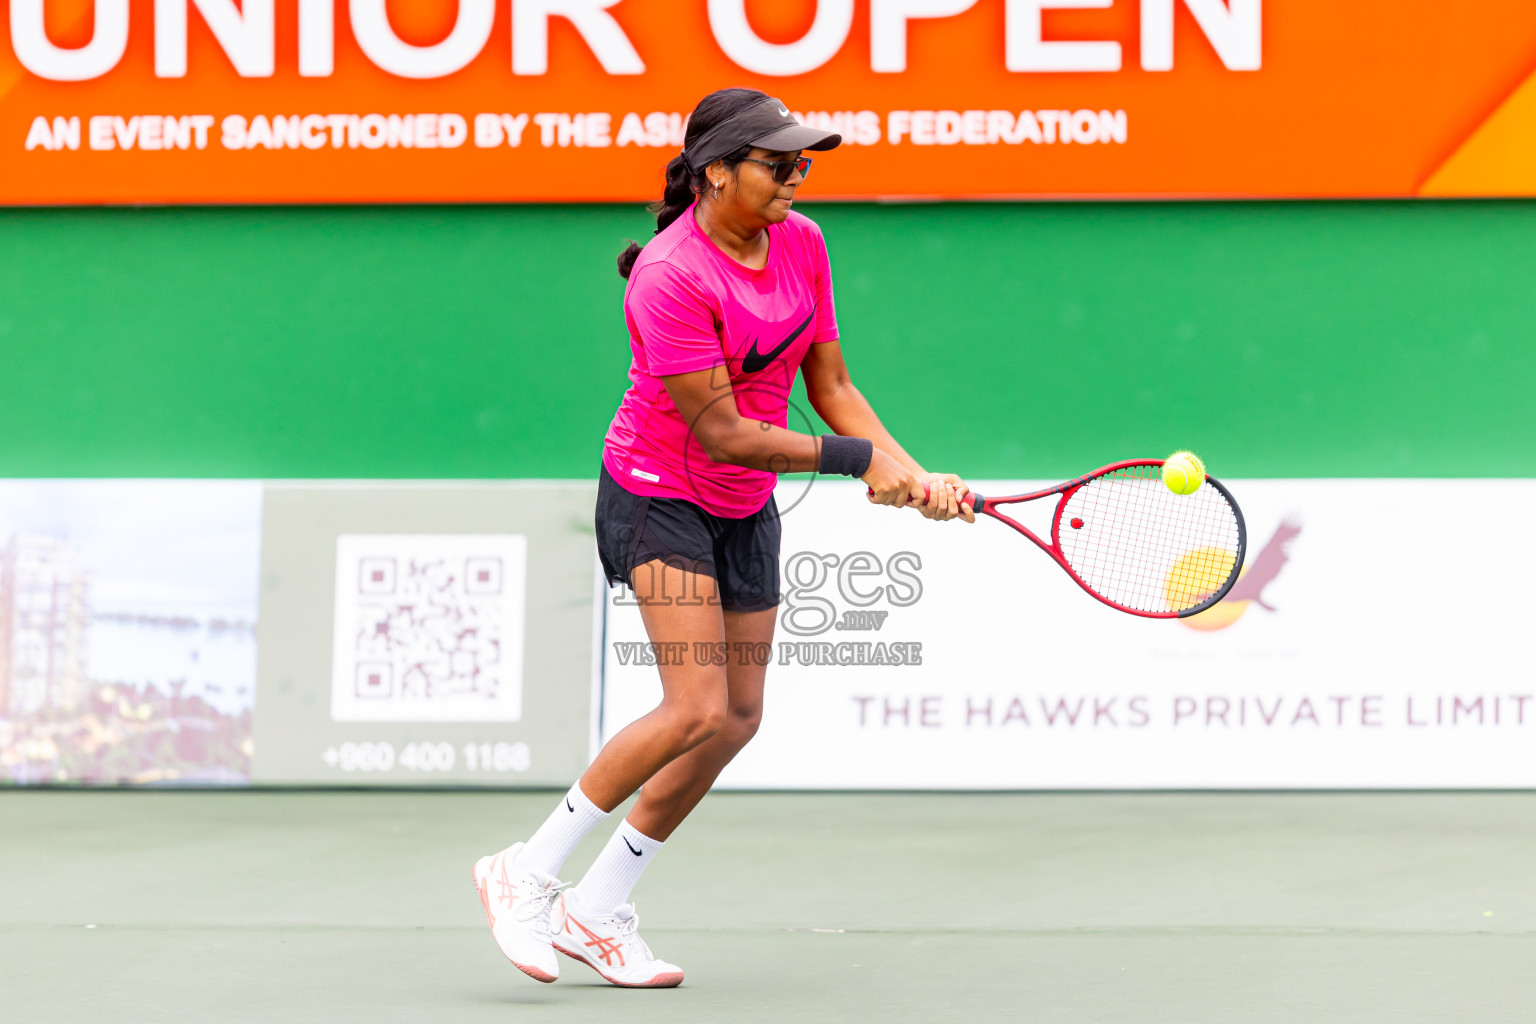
<point>724,306</point>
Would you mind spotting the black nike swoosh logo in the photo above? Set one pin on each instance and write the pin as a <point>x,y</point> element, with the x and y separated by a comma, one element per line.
<point>568,805</point>
<point>755,360</point>
<point>632,850</point>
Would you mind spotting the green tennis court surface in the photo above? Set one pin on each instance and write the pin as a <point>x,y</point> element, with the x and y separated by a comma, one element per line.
<point>1073,908</point>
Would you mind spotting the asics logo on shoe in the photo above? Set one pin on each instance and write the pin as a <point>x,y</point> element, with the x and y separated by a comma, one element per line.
<point>632,850</point>
<point>508,890</point>
<point>603,947</point>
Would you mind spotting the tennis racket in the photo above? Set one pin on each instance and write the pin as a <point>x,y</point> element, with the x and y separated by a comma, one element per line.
<point>1132,543</point>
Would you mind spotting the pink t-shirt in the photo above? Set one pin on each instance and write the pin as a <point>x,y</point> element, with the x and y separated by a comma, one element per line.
<point>691,307</point>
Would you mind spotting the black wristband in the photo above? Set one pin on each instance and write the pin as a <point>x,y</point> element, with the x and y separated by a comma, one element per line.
<point>849,456</point>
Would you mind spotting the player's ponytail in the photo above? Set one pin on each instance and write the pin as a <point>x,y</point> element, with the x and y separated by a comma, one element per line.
<point>683,185</point>
<point>678,196</point>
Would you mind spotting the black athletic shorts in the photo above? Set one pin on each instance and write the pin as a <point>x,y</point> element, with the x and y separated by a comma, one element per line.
<point>742,555</point>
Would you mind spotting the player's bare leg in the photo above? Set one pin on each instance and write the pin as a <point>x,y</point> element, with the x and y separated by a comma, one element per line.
<point>676,789</point>
<point>518,887</point>
<point>694,694</point>
<point>601,928</point>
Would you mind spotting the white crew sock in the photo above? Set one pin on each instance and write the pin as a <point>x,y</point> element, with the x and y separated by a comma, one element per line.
<point>560,833</point>
<point>612,877</point>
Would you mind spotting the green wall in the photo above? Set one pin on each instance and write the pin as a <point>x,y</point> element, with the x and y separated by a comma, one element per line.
<point>1278,339</point>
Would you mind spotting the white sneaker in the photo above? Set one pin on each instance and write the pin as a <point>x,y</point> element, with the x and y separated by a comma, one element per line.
<point>611,945</point>
<point>523,911</point>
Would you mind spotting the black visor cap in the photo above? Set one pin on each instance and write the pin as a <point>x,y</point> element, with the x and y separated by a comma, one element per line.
<point>768,125</point>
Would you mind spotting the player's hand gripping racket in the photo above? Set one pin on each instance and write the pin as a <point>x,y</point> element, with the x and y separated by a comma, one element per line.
<point>1134,544</point>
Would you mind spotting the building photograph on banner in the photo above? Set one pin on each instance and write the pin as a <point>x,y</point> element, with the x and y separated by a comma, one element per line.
<point>128,630</point>
<point>566,100</point>
<point>913,658</point>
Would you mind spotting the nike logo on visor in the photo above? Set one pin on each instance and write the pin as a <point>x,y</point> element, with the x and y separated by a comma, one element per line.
<point>754,360</point>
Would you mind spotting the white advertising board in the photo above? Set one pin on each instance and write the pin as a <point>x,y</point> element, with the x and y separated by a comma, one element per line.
<point>425,632</point>
<point>1382,644</point>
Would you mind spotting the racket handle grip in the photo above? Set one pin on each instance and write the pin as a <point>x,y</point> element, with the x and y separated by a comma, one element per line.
<point>972,500</point>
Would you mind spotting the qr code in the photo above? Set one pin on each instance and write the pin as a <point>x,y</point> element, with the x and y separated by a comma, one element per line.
<point>429,628</point>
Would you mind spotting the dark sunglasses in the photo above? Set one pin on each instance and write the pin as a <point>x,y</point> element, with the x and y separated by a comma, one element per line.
<point>782,169</point>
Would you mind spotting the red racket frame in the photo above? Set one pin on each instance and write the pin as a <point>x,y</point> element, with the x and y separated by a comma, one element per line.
<point>987,506</point>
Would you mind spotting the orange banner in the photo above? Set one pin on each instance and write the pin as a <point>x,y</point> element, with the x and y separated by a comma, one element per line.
<point>284,101</point>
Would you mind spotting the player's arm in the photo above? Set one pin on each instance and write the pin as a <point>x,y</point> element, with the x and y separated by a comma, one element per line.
<point>729,437</point>
<point>843,406</point>
<point>845,409</point>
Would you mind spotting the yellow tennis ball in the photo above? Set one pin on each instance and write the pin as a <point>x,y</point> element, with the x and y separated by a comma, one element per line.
<point>1183,472</point>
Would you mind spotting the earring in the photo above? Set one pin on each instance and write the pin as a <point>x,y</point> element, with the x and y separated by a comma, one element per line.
<point>717,189</point>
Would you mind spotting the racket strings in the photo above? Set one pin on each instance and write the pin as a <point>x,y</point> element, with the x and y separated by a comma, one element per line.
<point>1146,548</point>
